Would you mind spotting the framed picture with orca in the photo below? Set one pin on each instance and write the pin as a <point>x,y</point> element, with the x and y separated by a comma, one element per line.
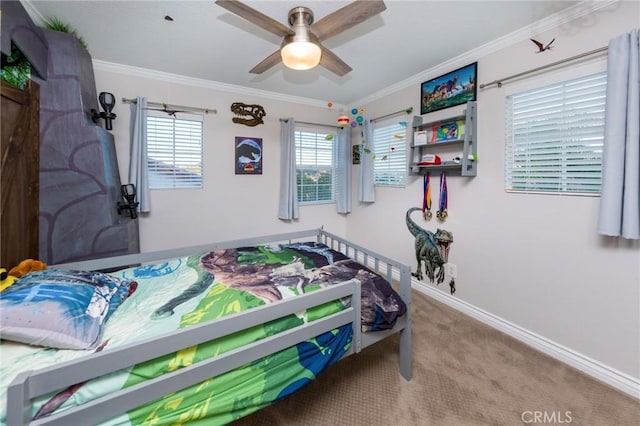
<point>248,155</point>
<point>453,88</point>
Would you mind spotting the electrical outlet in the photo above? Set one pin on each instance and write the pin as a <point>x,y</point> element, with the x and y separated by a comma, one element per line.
<point>452,270</point>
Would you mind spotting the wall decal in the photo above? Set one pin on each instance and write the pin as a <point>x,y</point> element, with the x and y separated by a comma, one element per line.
<point>541,46</point>
<point>249,115</point>
<point>431,249</point>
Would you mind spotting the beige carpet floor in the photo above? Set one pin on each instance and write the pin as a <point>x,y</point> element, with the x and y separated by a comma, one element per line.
<point>464,373</point>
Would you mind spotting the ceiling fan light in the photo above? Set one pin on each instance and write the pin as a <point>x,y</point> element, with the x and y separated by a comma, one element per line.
<point>301,55</point>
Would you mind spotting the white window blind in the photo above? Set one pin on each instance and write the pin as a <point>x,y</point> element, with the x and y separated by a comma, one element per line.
<point>174,152</point>
<point>554,137</point>
<point>390,155</point>
<point>315,166</point>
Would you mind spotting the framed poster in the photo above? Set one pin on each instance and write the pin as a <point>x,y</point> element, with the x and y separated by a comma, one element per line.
<point>248,156</point>
<point>451,89</point>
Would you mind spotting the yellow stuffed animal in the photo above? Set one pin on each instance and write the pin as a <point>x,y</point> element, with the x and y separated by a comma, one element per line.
<point>5,279</point>
<point>23,268</point>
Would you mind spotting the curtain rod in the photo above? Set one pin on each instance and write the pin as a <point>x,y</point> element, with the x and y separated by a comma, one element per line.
<point>391,114</point>
<point>308,123</point>
<point>171,106</point>
<point>402,111</point>
<point>553,64</point>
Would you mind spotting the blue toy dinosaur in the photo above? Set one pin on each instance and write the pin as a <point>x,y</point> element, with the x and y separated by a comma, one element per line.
<point>432,249</point>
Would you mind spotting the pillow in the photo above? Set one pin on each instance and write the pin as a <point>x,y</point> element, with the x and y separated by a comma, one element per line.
<point>61,309</point>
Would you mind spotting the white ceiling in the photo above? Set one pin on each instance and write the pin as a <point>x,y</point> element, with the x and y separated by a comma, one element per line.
<point>206,42</point>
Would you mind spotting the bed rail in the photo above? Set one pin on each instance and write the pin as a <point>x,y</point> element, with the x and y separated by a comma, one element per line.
<point>394,271</point>
<point>153,256</point>
<point>31,384</point>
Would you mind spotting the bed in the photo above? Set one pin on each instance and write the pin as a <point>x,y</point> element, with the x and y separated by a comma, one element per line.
<point>330,299</point>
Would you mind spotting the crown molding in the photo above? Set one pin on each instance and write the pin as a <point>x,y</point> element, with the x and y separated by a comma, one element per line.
<point>581,9</point>
<point>205,84</point>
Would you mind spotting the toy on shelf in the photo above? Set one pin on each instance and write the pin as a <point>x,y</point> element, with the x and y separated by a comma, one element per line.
<point>430,160</point>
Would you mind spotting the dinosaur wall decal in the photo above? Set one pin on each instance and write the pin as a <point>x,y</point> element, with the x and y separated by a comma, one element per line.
<point>431,249</point>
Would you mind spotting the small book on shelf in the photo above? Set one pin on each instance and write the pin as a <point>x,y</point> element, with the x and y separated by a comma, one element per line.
<point>420,138</point>
<point>442,132</point>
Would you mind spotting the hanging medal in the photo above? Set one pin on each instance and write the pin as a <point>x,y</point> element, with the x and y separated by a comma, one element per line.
<point>441,214</point>
<point>426,198</point>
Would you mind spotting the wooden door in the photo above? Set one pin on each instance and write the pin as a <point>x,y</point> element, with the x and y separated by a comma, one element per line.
<point>19,171</point>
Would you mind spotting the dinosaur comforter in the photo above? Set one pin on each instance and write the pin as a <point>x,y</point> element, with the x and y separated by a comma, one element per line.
<point>187,291</point>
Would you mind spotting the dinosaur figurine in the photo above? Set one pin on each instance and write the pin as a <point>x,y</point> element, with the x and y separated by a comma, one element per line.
<point>432,249</point>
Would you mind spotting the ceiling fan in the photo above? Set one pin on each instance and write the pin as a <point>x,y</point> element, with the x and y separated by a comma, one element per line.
<point>301,48</point>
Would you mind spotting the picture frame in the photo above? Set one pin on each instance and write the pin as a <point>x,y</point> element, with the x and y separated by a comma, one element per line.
<point>453,88</point>
<point>248,155</point>
<point>355,154</point>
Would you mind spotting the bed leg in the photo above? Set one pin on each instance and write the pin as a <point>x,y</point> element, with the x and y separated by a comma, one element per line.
<point>356,303</point>
<point>406,363</point>
<point>405,352</point>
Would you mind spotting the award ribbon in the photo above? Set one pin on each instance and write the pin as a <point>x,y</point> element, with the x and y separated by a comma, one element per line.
<point>444,198</point>
<point>426,199</point>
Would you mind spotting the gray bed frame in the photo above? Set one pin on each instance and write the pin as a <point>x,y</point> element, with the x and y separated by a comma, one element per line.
<point>31,384</point>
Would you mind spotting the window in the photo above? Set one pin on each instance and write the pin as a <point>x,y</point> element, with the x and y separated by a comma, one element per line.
<point>174,152</point>
<point>390,155</point>
<point>554,137</point>
<point>315,166</point>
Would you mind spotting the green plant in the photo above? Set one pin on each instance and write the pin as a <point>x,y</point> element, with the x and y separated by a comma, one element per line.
<point>55,24</point>
<point>16,69</point>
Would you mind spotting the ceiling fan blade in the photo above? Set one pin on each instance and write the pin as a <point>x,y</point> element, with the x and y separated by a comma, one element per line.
<point>347,17</point>
<point>267,63</point>
<point>333,63</point>
<point>255,17</point>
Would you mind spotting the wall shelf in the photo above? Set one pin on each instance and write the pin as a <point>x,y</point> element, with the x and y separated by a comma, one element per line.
<point>434,136</point>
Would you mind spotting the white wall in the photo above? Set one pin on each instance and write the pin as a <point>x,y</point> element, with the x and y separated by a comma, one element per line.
<point>229,206</point>
<point>535,261</point>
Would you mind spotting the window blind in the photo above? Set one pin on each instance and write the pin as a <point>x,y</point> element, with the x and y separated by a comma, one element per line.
<point>554,137</point>
<point>174,152</point>
<point>390,155</point>
<point>315,163</point>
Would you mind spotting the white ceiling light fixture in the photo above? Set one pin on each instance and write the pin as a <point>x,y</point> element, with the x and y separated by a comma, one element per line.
<point>300,50</point>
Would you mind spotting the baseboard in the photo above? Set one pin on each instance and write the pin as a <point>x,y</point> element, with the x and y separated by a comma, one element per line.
<point>617,379</point>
